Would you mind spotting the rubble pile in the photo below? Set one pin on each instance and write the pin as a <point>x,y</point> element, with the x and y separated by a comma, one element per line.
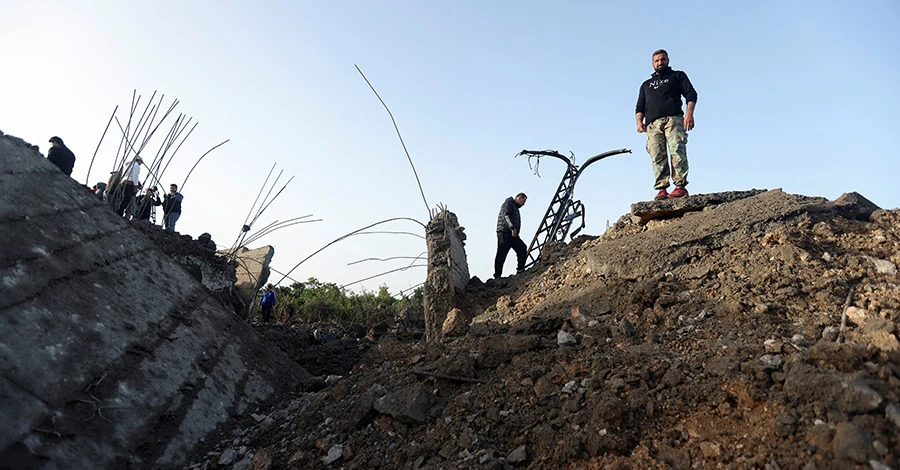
<point>758,331</point>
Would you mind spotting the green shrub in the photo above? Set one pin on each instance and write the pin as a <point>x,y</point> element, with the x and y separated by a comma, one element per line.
<point>317,302</point>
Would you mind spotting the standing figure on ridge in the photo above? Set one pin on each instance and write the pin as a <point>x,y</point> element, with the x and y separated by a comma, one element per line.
<point>172,207</point>
<point>659,114</point>
<point>509,223</point>
<point>61,156</point>
<point>146,204</point>
<point>131,179</point>
<point>267,303</point>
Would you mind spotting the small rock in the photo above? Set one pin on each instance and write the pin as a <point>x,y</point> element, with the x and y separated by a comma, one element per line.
<point>569,387</point>
<point>227,457</point>
<point>455,324</point>
<point>334,453</point>
<point>859,315</point>
<point>702,316</point>
<point>710,449</point>
<point>686,329</point>
<point>798,339</point>
<point>831,333</point>
<point>244,463</point>
<point>332,379</point>
<point>892,412</point>
<point>771,361</point>
<point>627,327</point>
<point>580,317</point>
<point>773,346</point>
<point>257,417</point>
<point>876,465</point>
<point>517,456</point>
<point>826,257</point>
<point>564,338</point>
<point>882,266</point>
<point>880,448</point>
<point>850,443</point>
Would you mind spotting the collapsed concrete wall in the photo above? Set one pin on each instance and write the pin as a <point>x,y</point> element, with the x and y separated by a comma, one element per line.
<point>111,354</point>
<point>252,273</point>
<point>448,270</point>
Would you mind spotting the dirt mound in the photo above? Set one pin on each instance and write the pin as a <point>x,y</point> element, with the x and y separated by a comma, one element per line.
<point>711,338</point>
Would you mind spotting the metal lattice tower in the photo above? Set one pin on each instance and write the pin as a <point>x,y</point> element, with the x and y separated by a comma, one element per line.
<point>563,210</point>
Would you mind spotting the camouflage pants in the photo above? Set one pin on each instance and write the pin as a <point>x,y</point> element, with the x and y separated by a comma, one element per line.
<point>668,131</point>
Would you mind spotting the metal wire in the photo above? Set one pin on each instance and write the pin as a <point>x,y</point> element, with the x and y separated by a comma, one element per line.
<point>415,173</point>
<point>393,219</point>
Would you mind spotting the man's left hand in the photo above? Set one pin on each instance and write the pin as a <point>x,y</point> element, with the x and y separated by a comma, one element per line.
<point>688,122</point>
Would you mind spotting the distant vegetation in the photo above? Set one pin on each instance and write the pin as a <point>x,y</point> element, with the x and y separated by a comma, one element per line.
<point>314,301</point>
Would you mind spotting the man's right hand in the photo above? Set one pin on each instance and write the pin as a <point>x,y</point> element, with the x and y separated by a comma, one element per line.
<point>515,233</point>
<point>641,127</point>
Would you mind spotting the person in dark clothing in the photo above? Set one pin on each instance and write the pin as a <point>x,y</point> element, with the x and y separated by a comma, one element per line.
<point>658,113</point>
<point>130,182</point>
<point>509,223</point>
<point>61,156</point>
<point>267,303</point>
<point>146,204</point>
<point>172,207</point>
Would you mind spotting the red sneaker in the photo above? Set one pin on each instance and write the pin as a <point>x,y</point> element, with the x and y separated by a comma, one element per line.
<point>679,192</point>
<point>662,194</point>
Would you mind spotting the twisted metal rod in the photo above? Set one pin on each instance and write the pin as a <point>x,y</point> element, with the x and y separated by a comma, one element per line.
<point>415,173</point>
<point>393,219</point>
<point>385,273</point>
<point>87,178</point>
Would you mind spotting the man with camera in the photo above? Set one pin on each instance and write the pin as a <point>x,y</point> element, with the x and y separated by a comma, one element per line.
<point>146,204</point>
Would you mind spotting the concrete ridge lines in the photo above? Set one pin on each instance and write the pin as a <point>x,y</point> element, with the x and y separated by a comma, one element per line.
<point>6,219</point>
<point>99,235</point>
<point>71,275</point>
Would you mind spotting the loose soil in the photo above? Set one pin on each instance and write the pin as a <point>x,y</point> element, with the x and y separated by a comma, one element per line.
<point>712,351</point>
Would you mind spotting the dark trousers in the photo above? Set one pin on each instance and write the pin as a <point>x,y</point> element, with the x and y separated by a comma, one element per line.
<point>505,241</point>
<point>127,195</point>
<point>266,311</point>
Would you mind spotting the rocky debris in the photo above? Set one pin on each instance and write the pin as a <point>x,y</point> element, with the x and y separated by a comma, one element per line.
<point>411,404</point>
<point>252,273</point>
<point>113,355</point>
<point>564,338</point>
<point>706,340</point>
<point>198,257</point>
<point>455,324</point>
<point>643,212</point>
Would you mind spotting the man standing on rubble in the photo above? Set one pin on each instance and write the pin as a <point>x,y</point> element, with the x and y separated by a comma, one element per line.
<point>172,207</point>
<point>61,156</point>
<point>267,303</point>
<point>658,113</point>
<point>509,223</point>
<point>131,179</point>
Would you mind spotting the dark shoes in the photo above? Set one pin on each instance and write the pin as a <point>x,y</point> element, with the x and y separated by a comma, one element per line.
<point>679,192</point>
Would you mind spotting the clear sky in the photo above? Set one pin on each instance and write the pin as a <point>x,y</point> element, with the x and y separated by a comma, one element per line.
<point>792,95</point>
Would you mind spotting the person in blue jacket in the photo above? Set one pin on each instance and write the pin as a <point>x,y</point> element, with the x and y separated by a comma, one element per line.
<point>267,303</point>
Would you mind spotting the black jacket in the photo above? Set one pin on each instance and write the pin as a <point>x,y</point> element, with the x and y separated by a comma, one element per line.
<point>62,157</point>
<point>145,204</point>
<point>660,95</point>
<point>509,218</point>
<point>172,203</point>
